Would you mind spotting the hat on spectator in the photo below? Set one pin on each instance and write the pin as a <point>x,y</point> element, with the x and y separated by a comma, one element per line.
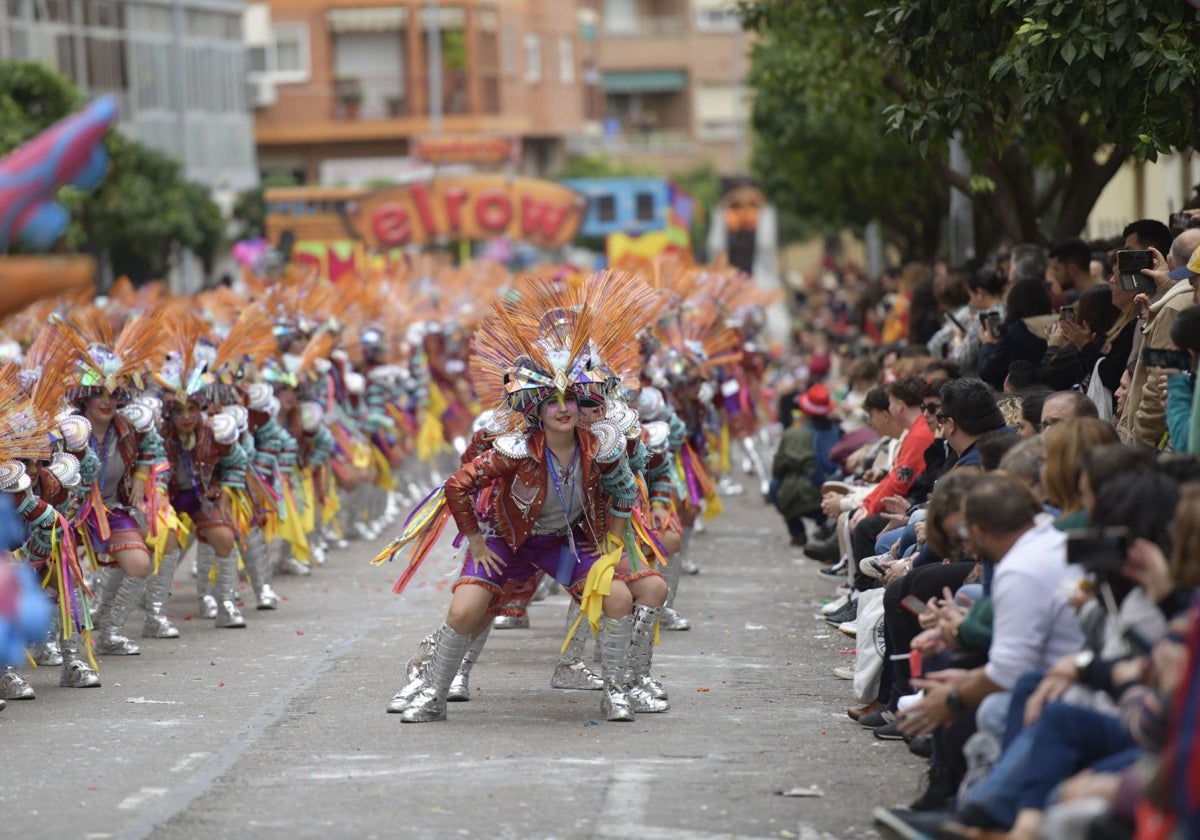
<point>1187,272</point>
<point>816,401</point>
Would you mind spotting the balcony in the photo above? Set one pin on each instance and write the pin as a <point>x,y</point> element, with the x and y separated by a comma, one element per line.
<point>634,144</point>
<point>646,26</point>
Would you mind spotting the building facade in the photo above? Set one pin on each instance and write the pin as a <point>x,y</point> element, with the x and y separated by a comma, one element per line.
<point>670,77</point>
<point>342,94</point>
<point>177,66</point>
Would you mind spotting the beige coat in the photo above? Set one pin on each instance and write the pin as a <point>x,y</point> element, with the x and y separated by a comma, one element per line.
<point>1144,420</point>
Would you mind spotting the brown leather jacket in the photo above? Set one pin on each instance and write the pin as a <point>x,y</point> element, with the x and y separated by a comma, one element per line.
<point>521,488</point>
<point>206,456</point>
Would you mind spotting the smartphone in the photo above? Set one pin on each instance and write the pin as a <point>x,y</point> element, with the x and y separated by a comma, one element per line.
<point>991,322</point>
<point>914,605</point>
<point>1174,359</point>
<point>1129,271</point>
<point>1066,313</point>
<point>1178,221</point>
<point>1098,549</point>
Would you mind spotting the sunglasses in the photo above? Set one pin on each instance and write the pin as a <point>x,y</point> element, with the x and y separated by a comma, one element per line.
<point>931,408</point>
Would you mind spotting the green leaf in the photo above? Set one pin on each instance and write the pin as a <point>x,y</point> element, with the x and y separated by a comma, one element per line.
<point>1068,52</point>
<point>1094,76</point>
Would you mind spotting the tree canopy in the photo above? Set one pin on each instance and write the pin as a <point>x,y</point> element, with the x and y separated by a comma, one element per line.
<point>1049,99</point>
<point>142,212</point>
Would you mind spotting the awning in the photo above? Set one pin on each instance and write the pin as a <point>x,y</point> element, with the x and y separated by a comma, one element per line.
<point>645,81</point>
<point>377,19</point>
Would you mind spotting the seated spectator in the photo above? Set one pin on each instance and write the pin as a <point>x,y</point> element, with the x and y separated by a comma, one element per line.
<point>802,463</point>
<point>1032,401</point>
<point>1066,444</point>
<point>987,297</point>
<point>953,297</point>
<point>1024,461</point>
<point>1027,304</point>
<point>1065,405</point>
<point>969,411</point>
<point>1079,348</point>
<point>1022,376</point>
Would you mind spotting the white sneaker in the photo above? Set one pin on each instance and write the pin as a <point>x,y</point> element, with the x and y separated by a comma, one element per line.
<point>850,628</point>
<point>873,566</point>
<point>835,605</point>
<point>845,672</point>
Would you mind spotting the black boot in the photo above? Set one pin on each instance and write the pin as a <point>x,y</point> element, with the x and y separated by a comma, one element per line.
<point>940,788</point>
<point>826,551</point>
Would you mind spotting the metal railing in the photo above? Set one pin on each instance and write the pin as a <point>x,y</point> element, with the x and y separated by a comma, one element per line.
<point>646,26</point>
<point>633,143</point>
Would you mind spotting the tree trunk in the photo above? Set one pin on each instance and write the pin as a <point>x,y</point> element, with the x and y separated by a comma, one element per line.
<point>1087,180</point>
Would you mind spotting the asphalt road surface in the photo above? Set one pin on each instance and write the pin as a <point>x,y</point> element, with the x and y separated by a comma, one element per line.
<point>279,730</point>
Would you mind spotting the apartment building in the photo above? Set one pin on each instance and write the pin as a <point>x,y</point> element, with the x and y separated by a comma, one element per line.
<point>342,95</point>
<point>177,66</point>
<point>671,77</point>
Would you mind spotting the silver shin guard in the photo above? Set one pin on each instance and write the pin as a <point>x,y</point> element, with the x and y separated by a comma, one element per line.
<point>47,652</point>
<point>13,686</point>
<point>615,704</point>
<point>119,601</point>
<point>670,619</point>
<point>258,567</point>
<point>460,689</point>
<point>205,559</point>
<point>417,673</point>
<point>76,672</point>
<point>228,614</point>
<point>571,671</point>
<point>430,703</point>
<point>646,693</point>
<point>158,591</point>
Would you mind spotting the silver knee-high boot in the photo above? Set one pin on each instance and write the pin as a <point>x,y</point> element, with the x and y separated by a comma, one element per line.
<point>121,595</point>
<point>756,461</point>
<point>448,652</point>
<point>13,686</point>
<point>571,671</point>
<point>228,615</point>
<point>460,689</point>
<point>206,558</point>
<point>158,591</point>
<point>670,619</point>
<point>258,567</point>
<point>76,672</point>
<point>417,674</point>
<point>47,652</point>
<point>646,693</point>
<point>614,703</point>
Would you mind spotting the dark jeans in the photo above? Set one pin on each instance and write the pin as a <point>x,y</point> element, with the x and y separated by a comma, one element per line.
<point>901,627</point>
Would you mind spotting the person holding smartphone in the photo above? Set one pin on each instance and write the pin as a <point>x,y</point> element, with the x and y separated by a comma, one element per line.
<point>1090,348</point>
<point>1143,419</point>
<point>1014,340</point>
<point>987,301</point>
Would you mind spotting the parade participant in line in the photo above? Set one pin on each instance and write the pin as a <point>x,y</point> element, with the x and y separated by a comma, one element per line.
<point>105,373</point>
<point>207,465</point>
<point>561,494</point>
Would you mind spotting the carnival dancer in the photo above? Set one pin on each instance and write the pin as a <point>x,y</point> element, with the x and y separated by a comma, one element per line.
<point>105,373</point>
<point>207,476</point>
<point>561,494</point>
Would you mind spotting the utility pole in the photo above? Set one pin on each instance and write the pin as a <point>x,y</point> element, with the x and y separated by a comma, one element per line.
<point>962,219</point>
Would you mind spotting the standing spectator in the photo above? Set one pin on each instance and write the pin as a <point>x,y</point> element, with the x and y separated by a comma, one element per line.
<point>1070,266</point>
<point>1027,299</point>
<point>1181,385</point>
<point>953,299</point>
<point>987,298</point>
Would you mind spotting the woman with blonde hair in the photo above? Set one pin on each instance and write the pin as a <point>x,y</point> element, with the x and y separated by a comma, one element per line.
<point>1066,444</point>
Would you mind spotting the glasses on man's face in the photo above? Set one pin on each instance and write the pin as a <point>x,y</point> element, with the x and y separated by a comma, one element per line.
<point>941,418</point>
<point>1048,422</point>
<point>931,408</point>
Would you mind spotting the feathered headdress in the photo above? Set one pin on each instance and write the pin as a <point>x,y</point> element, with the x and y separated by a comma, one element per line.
<point>185,374</point>
<point>94,360</point>
<point>559,340</point>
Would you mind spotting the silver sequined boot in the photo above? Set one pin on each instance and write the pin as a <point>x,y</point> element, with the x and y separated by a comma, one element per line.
<point>417,674</point>
<point>121,595</point>
<point>158,591</point>
<point>615,704</point>
<point>670,619</point>
<point>206,558</point>
<point>13,686</point>
<point>460,689</point>
<point>46,652</point>
<point>757,464</point>
<point>571,671</point>
<point>430,704</point>
<point>228,614</point>
<point>76,672</point>
<point>258,568</point>
<point>519,621</point>
<point>646,693</point>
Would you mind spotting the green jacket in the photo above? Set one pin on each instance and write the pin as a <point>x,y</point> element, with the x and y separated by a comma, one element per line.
<point>794,467</point>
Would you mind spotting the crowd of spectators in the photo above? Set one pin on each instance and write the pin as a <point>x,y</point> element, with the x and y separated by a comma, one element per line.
<point>996,467</point>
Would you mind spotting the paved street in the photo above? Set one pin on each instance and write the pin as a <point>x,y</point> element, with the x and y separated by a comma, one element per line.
<point>279,730</point>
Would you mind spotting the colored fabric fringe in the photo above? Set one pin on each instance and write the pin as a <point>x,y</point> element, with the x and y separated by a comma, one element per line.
<point>423,528</point>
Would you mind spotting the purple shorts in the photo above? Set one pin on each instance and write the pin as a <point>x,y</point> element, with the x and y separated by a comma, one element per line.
<point>539,553</point>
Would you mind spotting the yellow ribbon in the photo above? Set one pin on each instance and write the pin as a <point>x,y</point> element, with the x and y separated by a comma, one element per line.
<point>597,587</point>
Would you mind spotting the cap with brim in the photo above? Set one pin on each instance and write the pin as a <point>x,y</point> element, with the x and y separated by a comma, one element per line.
<point>1187,272</point>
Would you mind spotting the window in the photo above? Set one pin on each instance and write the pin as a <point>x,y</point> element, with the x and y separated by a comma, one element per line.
<point>717,16</point>
<point>285,57</point>
<point>720,110</point>
<point>533,58</point>
<point>508,51</point>
<point>566,59</point>
<point>645,207</point>
<point>606,209</point>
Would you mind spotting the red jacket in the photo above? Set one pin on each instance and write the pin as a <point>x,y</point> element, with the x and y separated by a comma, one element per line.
<point>909,463</point>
